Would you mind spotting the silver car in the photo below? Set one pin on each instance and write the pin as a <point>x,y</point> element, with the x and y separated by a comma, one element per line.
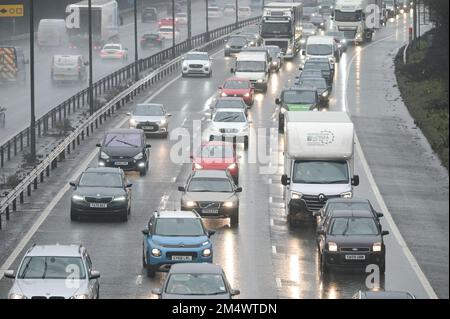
<point>151,118</point>
<point>68,68</point>
<point>55,272</point>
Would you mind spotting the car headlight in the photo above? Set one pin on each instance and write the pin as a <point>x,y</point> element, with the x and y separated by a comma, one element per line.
<point>156,252</point>
<point>247,95</point>
<point>227,46</point>
<point>332,247</point>
<point>347,195</point>
<point>228,204</point>
<point>139,156</point>
<point>133,122</point>
<point>296,195</point>
<point>77,198</point>
<point>120,199</point>
<point>325,94</point>
<point>80,296</point>
<point>377,247</point>
<point>190,203</point>
<point>274,62</point>
<point>283,110</point>
<point>260,81</point>
<point>302,41</point>
<point>198,166</point>
<point>103,155</point>
<point>223,94</point>
<point>206,252</point>
<point>16,296</point>
<point>232,166</point>
<point>289,51</point>
<point>163,121</point>
<point>343,41</point>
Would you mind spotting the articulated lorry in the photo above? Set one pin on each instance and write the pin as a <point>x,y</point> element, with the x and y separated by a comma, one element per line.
<point>358,19</point>
<point>318,161</point>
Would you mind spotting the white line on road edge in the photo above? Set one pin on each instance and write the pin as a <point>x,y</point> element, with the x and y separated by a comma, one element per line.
<point>388,216</point>
<point>278,281</point>
<point>274,250</point>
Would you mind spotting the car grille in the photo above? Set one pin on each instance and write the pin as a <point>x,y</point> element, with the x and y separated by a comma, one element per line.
<point>349,34</point>
<point>121,158</point>
<point>181,253</point>
<point>235,47</point>
<point>98,199</point>
<point>44,297</point>
<point>209,205</point>
<point>314,204</point>
<point>354,249</point>
<point>195,66</point>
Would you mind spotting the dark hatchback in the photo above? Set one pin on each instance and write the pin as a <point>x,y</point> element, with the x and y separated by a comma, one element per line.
<point>101,192</point>
<point>320,84</point>
<point>149,15</point>
<point>126,149</point>
<point>229,103</point>
<point>235,44</point>
<point>151,40</point>
<point>351,239</point>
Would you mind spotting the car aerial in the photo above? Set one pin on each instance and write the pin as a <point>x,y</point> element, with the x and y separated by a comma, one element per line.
<point>296,99</point>
<point>229,103</point>
<point>235,44</point>
<point>345,204</point>
<point>149,14</point>
<point>318,21</point>
<point>276,57</point>
<point>114,52</point>
<point>214,12</point>
<point>181,18</point>
<point>166,32</point>
<point>384,295</point>
<point>151,40</point>
<point>238,87</point>
<point>175,237</point>
<point>351,239</point>
<point>125,148</point>
<point>244,12</point>
<point>101,191</point>
<point>212,194</point>
<point>229,125</point>
<point>55,272</point>
<point>320,64</point>
<point>340,38</point>
<point>68,68</point>
<point>217,156</point>
<point>197,63</point>
<point>196,281</point>
<point>151,118</point>
<point>229,10</point>
<point>308,29</point>
<point>320,84</point>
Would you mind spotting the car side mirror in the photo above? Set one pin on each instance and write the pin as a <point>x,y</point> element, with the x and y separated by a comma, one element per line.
<point>129,185</point>
<point>98,145</point>
<point>148,146</point>
<point>379,215</point>
<point>278,101</point>
<point>211,232</point>
<point>235,292</point>
<point>181,188</point>
<point>169,114</point>
<point>146,232</point>
<point>73,184</point>
<point>9,274</point>
<point>94,274</point>
<point>238,190</point>
<point>157,291</point>
<point>355,180</point>
<point>285,180</point>
<point>384,233</point>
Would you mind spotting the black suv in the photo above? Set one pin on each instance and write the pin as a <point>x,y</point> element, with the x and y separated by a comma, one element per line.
<point>126,149</point>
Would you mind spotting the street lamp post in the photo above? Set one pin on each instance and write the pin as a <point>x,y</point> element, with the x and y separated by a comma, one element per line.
<point>207,21</point>
<point>32,106</point>
<point>173,29</point>
<point>237,13</point>
<point>91,76</point>
<point>136,53</point>
<point>189,26</point>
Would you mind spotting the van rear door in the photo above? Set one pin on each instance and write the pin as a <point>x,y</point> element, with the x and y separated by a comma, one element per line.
<point>8,64</point>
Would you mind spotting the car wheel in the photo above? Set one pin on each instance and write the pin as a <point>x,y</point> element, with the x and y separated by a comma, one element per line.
<point>143,171</point>
<point>209,74</point>
<point>280,126</point>
<point>236,180</point>
<point>234,219</point>
<point>291,222</point>
<point>324,268</point>
<point>246,143</point>
<point>382,267</point>
<point>124,216</point>
<point>183,75</point>
<point>74,216</point>
<point>151,271</point>
<point>144,264</point>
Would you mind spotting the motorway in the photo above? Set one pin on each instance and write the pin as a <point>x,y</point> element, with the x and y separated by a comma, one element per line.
<point>263,257</point>
<point>17,99</point>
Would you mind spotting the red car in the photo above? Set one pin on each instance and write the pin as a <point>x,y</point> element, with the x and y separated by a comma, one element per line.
<point>217,155</point>
<point>166,22</point>
<point>238,87</point>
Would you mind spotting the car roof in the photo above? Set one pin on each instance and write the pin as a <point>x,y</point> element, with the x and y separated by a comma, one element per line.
<point>313,60</point>
<point>54,251</point>
<point>312,77</point>
<point>177,214</point>
<point>237,79</point>
<point>115,170</point>
<point>229,98</point>
<point>150,104</point>
<point>348,200</point>
<point>210,173</point>
<point>124,131</point>
<point>351,213</point>
<point>196,268</point>
<point>302,88</point>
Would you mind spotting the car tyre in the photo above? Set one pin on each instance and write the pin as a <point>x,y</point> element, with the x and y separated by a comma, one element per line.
<point>234,219</point>
<point>124,216</point>
<point>280,126</point>
<point>74,216</point>
<point>324,268</point>
<point>382,267</point>
<point>246,143</point>
<point>143,171</point>
<point>151,271</point>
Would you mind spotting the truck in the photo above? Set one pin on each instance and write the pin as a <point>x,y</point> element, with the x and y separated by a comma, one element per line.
<point>12,65</point>
<point>318,161</point>
<point>358,19</point>
<point>105,23</point>
<point>254,66</point>
<point>281,26</point>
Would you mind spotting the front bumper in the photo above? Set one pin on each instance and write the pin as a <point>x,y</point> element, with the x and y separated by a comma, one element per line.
<point>169,256</point>
<point>152,128</point>
<point>222,212</point>
<point>112,209</point>
<point>196,71</point>
<point>126,164</point>
<point>338,259</point>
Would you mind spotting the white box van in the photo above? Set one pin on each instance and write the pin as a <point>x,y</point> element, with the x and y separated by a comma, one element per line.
<point>254,66</point>
<point>52,33</point>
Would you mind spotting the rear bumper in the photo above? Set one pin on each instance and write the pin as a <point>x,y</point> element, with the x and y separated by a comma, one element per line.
<point>338,259</point>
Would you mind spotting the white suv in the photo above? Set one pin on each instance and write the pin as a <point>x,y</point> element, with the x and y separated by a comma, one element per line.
<point>197,63</point>
<point>55,272</point>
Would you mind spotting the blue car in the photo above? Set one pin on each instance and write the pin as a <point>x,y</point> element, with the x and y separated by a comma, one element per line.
<point>175,237</point>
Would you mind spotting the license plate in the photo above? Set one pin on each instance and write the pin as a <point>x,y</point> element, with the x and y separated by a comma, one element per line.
<point>148,128</point>
<point>182,258</point>
<point>355,257</point>
<point>121,163</point>
<point>98,205</point>
<point>211,211</point>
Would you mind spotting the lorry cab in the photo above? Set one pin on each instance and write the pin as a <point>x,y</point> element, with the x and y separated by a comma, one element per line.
<point>318,161</point>
<point>254,66</point>
<point>12,65</point>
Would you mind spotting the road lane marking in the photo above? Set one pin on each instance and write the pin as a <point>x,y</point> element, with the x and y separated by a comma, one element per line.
<point>388,216</point>
<point>278,281</point>
<point>274,249</point>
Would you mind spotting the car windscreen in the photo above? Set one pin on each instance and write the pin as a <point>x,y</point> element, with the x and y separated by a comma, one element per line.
<point>111,47</point>
<point>216,151</point>
<point>235,104</point>
<point>341,16</point>
<point>319,49</point>
<point>37,267</point>
<point>179,227</point>
<point>250,66</point>
<point>148,110</point>
<point>196,56</point>
<point>123,140</point>
<point>309,26</point>
<point>316,83</point>
<point>215,185</point>
<point>213,9</point>
<point>196,284</point>
<point>299,97</point>
<point>353,227</point>
<point>165,29</point>
<point>236,85</point>
<point>276,28</point>
<point>237,41</point>
<point>320,172</point>
<point>97,179</point>
<point>274,51</point>
<point>229,117</point>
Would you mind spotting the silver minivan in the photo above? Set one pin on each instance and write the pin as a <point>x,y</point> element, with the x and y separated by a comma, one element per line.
<point>68,68</point>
